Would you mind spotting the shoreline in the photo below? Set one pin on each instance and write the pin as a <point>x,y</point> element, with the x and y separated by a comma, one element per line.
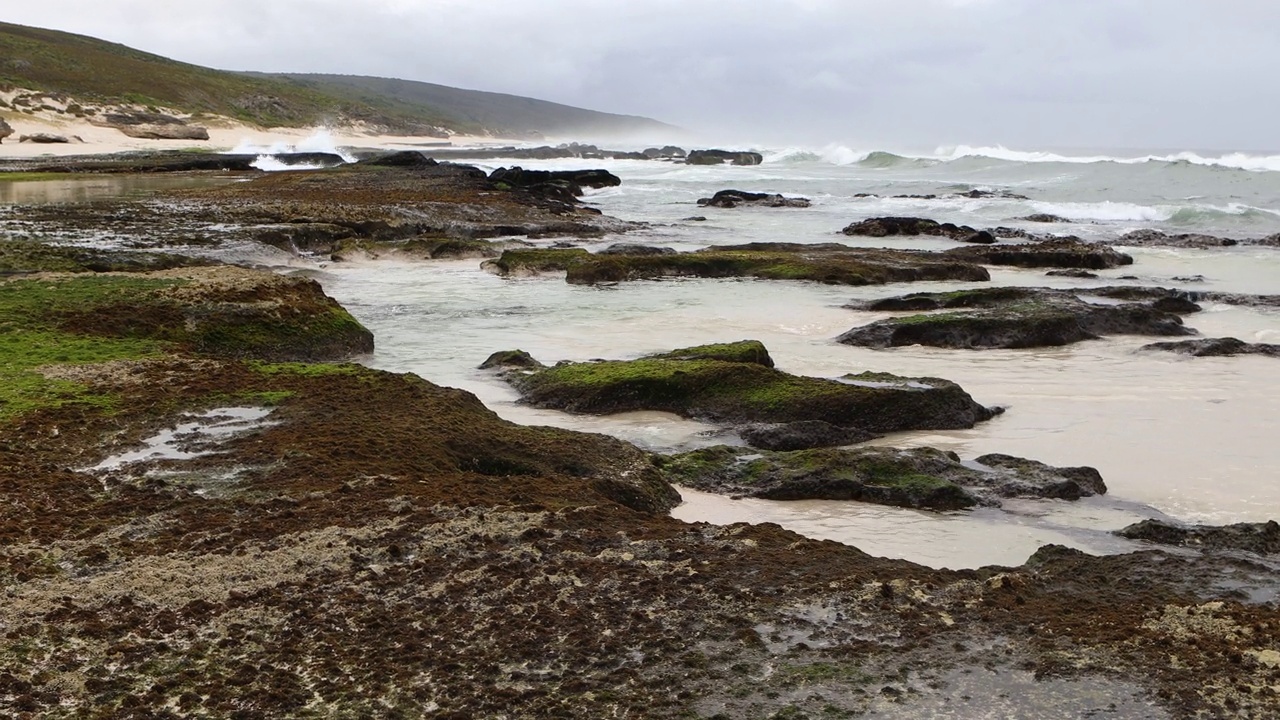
<point>225,135</point>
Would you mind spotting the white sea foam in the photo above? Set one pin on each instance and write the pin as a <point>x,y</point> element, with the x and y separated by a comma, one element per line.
<point>1107,211</point>
<point>1241,161</point>
<point>319,141</point>
<point>271,163</point>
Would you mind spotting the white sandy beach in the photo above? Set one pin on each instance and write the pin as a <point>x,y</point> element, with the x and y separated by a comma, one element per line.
<point>224,135</point>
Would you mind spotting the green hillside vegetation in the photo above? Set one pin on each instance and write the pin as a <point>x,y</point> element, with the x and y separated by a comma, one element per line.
<point>95,71</point>
<point>496,112</point>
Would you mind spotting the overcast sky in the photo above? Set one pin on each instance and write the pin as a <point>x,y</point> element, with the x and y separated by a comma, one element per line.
<point>898,74</point>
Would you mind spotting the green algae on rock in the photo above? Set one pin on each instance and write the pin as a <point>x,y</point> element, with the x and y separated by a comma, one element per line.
<point>1013,317</point>
<point>734,384</point>
<point>828,263</point>
<point>60,319</point>
<point>915,478</point>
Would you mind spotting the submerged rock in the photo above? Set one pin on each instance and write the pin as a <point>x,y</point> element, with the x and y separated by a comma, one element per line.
<point>1044,218</point>
<point>1065,252</point>
<point>915,478</point>
<point>1216,347</point>
<point>1011,317</point>
<point>828,263</point>
<point>735,198</point>
<point>720,157</point>
<point>636,249</point>
<point>735,384</point>
<point>1260,538</point>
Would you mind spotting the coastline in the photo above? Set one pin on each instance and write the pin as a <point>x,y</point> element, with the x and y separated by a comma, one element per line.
<point>225,134</point>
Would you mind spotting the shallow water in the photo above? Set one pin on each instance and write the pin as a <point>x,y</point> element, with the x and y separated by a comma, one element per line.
<point>1190,438</point>
<point>87,188</point>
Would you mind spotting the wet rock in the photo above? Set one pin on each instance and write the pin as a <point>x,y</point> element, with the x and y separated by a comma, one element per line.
<point>829,263</point>
<point>978,194</point>
<point>917,477</point>
<point>554,181</point>
<point>800,435</point>
<point>401,159</point>
<point>1031,478</point>
<point>735,198</point>
<point>1071,273</point>
<point>1147,237</point>
<point>1259,538</point>
<point>666,152</point>
<point>1067,252</point>
<point>511,359</point>
<point>1008,318</point>
<point>534,261</point>
<point>696,218</point>
<point>5,130</point>
<point>1044,218</point>
<point>1216,347</point>
<point>891,226</point>
<point>720,157</point>
<point>636,249</point>
<point>733,384</point>
<point>1146,292</point>
<point>1008,233</point>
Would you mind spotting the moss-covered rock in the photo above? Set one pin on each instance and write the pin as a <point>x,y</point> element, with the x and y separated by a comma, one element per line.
<point>51,320</point>
<point>916,478</point>
<point>1012,318</point>
<point>733,384</point>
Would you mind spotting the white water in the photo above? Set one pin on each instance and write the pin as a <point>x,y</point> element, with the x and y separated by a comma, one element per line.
<point>1189,438</point>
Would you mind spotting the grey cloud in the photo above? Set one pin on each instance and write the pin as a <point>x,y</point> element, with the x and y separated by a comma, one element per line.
<point>1027,73</point>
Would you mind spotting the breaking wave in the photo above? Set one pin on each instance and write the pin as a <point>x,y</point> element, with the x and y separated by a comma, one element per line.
<point>318,142</point>
<point>842,155</point>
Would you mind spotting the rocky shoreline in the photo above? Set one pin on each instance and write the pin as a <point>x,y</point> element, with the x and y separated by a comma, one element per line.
<point>303,536</point>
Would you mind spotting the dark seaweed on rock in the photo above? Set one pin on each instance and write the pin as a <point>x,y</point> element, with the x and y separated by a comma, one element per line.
<point>1260,538</point>
<point>880,227</point>
<point>1013,317</point>
<point>829,263</point>
<point>735,198</point>
<point>735,384</point>
<point>916,477</point>
<point>1064,252</point>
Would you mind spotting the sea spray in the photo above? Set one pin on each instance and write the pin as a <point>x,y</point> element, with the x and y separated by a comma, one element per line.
<point>320,141</point>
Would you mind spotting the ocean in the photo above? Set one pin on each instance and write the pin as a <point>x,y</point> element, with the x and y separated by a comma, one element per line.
<point>1174,437</point>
